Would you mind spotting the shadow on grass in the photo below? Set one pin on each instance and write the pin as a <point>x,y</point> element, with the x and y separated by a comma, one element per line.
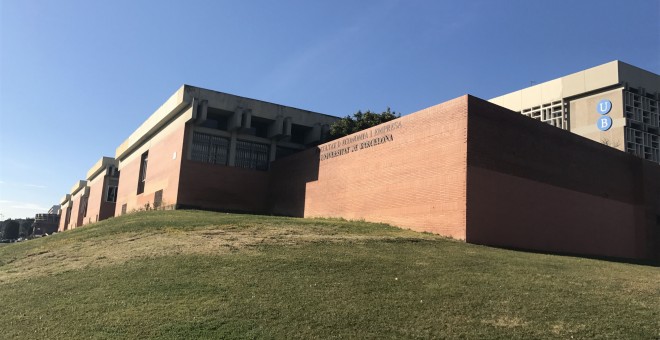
<point>641,262</point>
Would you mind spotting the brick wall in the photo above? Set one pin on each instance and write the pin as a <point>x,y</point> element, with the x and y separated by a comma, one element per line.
<point>97,207</point>
<point>62,226</point>
<point>76,215</point>
<point>288,182</point>
<point>163,167</point>
<point>411,174</point>
<point>224,188</point>
<point>466,168</point>
<point>533,186</point>
<point>490,176</point>
<point>651,189</point>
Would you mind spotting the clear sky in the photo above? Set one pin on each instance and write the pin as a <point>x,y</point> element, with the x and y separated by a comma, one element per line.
<point>78,77</point>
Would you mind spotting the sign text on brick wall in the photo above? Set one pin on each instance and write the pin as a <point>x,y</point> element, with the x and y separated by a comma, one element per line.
<point>364,140</point>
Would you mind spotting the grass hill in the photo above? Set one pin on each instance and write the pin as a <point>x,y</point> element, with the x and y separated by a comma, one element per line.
<point>193,274</point>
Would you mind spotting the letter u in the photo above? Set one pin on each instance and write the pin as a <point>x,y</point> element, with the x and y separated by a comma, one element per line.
<point>604,107</point>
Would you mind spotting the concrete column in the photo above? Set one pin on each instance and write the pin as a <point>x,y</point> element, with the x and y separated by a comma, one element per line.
<point>276,127</point>
<point>232,149</point>
<point>247,118</point>
<point>286,129</point>
<point>235,120</point>
<point>325,132</point>
<point>193,104</point>
<point>200,110</point>
<point>204,112</point>
<point>273,149</point>
<point>313,135</point>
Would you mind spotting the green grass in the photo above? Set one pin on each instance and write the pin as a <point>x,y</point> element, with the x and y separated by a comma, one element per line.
<point>191,274</point>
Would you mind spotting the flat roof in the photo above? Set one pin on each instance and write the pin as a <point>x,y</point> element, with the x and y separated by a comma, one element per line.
<point>65,199</point>
<point>183,98</point>
<point>101,165</point>
<point>602,76</point>
<point>78,186</point>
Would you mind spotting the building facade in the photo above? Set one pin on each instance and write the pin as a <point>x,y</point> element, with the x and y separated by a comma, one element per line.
<point>103,183</point>
<point>210,150</point>
<point>45,224</point>
<point>77,204</point>
<point>614,104</point>
<point>478,172</point>
<point>65,213</point>
<point>93,199</point>
<point>467,169</point>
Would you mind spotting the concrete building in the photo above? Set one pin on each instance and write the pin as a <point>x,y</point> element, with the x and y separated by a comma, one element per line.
<point>614,104</point>
<point>211,150</point>
<point>54,210</point>
<point>45,224</point>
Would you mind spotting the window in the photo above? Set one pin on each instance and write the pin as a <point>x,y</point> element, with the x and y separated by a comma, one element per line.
<point>67,219</point>
<point>217,119</point>
<point>210,149</point>
<point>260,126</point>
<point>252,155</point>
<point>143,172</point>
<point>298,133</point>
<point>112,171</point>
<point>83,206</point>
<point>111,194</point>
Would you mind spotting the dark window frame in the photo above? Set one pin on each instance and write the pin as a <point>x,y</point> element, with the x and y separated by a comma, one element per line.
<point>83,206</point>
<point>142,176</point>
<point>111,189</point>
<point>252,155</point>
<point>211,149</point>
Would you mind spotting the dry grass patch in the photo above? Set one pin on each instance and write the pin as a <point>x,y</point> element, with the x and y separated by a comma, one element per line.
<point>71,250</point>
<point>506,321</point>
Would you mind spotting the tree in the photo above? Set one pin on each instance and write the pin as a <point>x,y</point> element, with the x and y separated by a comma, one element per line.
<point>10,230</point>
<point>360,121</point>
<point>25,228</point>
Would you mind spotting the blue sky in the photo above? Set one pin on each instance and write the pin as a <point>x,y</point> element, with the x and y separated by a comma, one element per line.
<point>78,77</point>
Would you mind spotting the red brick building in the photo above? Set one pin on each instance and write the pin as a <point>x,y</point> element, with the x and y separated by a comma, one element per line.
<point>478,172</point>
<point>65,213</point>
<point>103,183</point>
<point>210,150</point>
<point>467,169</point>
<point>91,200</point>
<point>76,205</point>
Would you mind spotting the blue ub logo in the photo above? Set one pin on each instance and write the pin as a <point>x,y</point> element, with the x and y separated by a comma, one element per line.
<point>604,123</point>
<point>604,106</point>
